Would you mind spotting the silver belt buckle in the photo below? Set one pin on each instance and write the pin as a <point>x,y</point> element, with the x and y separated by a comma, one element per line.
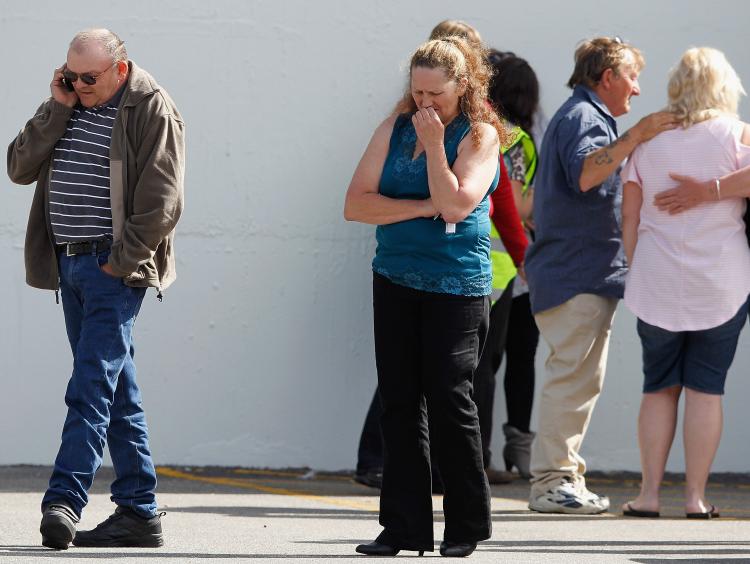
<point>67,250</point>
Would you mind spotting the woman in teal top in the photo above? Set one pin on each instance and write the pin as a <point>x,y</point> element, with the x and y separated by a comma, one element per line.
<point>425,253</point>
<point>424,181</point>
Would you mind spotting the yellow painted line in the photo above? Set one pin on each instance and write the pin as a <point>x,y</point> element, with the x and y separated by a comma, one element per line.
<point>612,481</point>
<point>280,474</point>
<point>251,485</point>
<point>267,473</point>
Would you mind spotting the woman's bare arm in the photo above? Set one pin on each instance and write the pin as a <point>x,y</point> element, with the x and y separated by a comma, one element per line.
<point>363,202</point>
<point>632,199</point>
<point>457,191</point>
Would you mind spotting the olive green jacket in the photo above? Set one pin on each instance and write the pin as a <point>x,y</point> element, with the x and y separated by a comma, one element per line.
<point>147,163</point>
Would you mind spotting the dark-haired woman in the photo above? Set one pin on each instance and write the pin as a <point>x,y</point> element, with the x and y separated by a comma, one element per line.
<point>514,91</point>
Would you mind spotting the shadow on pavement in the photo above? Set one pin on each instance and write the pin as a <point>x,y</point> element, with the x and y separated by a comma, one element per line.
<point>699,549</point>
<point>333,513</point>
<point>40,552</point>
<point>729,492</point>
<point>614,548</point>
<point>714,548</point>
<point>278,512</point>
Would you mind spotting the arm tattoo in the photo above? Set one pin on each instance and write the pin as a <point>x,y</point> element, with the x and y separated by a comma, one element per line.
<point>604,158</point>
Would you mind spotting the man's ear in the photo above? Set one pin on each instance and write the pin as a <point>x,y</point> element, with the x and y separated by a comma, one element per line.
<point>122,68</point>
<point>606,80</point>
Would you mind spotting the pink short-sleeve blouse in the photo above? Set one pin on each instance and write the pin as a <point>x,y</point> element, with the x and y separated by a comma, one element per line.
<point>690,271</point>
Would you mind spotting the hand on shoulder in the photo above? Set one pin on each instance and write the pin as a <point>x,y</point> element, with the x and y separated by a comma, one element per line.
<point>653,124</point>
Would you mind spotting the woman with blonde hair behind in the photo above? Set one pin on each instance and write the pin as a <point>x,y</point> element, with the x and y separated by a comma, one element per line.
<point>689,275</point>
<point>457,28</point>
<point>424,180</point>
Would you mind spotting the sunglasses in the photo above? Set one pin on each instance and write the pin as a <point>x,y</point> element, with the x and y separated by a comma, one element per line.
<point>86,77</point>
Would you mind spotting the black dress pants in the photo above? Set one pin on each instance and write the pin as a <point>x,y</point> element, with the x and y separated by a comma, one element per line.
<point>485,379</point>
<point>520,354</point>
<point>370,451</point>
<point>427,347</point>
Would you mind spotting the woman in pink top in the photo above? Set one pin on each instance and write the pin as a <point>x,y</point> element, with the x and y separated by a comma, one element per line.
<point>689,275</point>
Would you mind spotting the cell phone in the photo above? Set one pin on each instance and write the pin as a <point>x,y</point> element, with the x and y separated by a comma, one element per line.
<point>65,82</point>
<point>67,85</point>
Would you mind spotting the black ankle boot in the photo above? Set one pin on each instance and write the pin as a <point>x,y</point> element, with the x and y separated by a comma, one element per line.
<point>448,548</point>
<point>124,528</point>
<point>517,450</point>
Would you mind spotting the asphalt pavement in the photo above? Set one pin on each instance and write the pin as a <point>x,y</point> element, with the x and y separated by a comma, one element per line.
<point>250,515</point>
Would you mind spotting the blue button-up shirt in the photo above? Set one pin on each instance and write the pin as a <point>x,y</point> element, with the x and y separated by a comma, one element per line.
<point>578,245</point>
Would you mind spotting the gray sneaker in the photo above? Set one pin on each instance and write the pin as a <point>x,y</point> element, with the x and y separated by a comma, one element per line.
<point>566,497</point>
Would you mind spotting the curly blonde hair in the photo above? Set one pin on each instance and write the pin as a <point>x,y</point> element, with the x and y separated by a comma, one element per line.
<point>702,86</point>
<point>462,63</point>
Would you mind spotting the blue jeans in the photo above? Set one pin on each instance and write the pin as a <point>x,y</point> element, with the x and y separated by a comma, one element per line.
<point>103,399</point>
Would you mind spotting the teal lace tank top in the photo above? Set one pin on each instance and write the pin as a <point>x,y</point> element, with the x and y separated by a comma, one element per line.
<point>420,253</point>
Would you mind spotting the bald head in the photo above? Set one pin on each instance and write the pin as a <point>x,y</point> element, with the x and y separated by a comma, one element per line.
<point>100,54</point>
<point>102,40</point>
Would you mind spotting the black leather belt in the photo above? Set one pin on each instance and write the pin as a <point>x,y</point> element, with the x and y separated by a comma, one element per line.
<point>85,247</point>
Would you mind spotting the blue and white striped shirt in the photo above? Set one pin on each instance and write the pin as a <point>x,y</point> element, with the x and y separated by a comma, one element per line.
<point>80,207</point>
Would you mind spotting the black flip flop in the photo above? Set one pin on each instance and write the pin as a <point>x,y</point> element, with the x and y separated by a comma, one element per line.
<point>630,512</point>
<point>710,514</point>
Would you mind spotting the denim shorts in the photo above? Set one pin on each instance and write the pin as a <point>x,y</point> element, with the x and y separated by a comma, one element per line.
<point>698,360</point>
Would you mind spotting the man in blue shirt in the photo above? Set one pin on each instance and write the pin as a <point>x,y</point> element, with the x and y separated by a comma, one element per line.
<point>576,266</point>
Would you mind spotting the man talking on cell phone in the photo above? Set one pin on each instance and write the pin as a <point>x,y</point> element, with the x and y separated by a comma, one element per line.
<point>106,151</point>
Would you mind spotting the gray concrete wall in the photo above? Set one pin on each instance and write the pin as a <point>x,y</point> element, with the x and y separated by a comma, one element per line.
<point>261,353</point>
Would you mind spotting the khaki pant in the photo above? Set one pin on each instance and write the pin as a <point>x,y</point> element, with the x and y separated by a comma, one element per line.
<point>577,333</point>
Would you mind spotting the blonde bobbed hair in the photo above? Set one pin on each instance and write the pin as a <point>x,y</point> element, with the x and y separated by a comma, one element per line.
<point>703,86</point>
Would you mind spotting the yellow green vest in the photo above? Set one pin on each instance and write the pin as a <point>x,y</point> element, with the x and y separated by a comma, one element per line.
<point>503,269</point>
